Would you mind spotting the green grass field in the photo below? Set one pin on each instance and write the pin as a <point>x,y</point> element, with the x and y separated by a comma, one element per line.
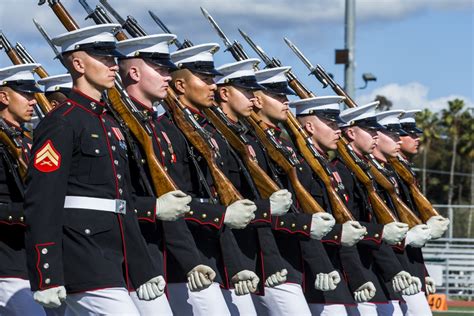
<point>453,311</point>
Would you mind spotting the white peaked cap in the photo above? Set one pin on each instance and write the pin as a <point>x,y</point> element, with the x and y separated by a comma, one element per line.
<point>55,83</point>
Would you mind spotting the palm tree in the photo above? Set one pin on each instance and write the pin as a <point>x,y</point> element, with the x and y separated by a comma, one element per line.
<point>429,124</point>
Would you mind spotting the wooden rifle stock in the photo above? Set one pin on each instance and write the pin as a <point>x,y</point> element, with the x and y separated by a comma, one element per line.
<point>226,191</point>
<point>340,211</point>
<point>162,182</point>
<point>404,212</point>
<point>64,16</point>
<point>299,89</point>
<point>265,185</point>
<point>307,202</point>
<point>423,205</point>
<point>382,212</point>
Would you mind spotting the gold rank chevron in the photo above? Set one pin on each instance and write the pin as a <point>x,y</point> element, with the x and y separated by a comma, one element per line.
<point>47,153</point>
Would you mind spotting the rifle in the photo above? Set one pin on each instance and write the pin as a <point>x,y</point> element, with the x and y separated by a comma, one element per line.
<point>233,133</point>
<point>282,157</point>
<point>265,185</point>
<point>28,59</point>
<point>423,205</point>
<point>201,140</point>
<point>17,60</point>
<point>404,212</point>
<point>63,16</point>
<point>121,103</point>
<point>361,171</point>
<point>198,137</point>
<point>12,141</point>
<point>304,143</point>
<point>406,215</point>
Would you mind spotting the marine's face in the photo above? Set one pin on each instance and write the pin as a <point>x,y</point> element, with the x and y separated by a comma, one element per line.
<point>241,101</point>
<point>100,70</point>
<point>365,139</point>
<point>410,144</point>
<point>326,133</point>
<point>19,106</point>
<point>154,81</point>
<point>389,143</point>
<point>274,106</point>
<point>199,90</point>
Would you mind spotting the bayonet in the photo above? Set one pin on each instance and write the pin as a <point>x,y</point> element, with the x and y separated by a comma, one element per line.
<point>176,42</point>
<point>271,63</point>
<point>48,40</point>
<point>234,48</point>
<point>313,70</point>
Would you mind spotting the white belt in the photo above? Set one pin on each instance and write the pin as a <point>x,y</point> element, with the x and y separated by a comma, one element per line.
<point>96,204</point>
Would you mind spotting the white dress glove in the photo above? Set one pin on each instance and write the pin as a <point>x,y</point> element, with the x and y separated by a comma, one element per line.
<point>276,278</point>
<point>414,288</point>
<point>365,292</point>
<point>245,282</point>
<point>394,232</point>
<point>280,202</point>
<point>352,233</point>
<point>430,285</point>
<point>239,214</point>
<point>152,289</point>
<point>438,225</point>
<point>200,278</point>
<point>401,281</point>
<point>327,281</point>
<point>172,205</point>
<point>418,236</point>
<point>51,298</point>
<point>321,224</point>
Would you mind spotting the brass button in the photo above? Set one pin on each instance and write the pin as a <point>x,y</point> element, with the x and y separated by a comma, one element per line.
<point>120,191</point>
<point>366,232</point>
<point>305,227</point>
<point>293,225</point>
<point>22,219</point>
<point>109,134</point>
<point>191,212</point>
<point>265,214</point>
<point>10,218</point>
<point>399,243</point>
<point>116,162</point>
<point>216,220</point>
<point>282,223</point>
<point>335,237</point>
<point>113,147</point>
<point>44,251</point>
<point>204,215</point>
<point>46,265</point>
<point>119,176</point>
<point>97,151</point>
<point>163,153</point>
<point>376,235</point>
<point>143,161</point>
<point>136,211</point>
<point>148,213</point>
<point>87,231</point>
<point>47,281</point>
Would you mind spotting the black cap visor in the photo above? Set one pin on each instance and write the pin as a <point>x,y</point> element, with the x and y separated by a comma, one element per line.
<point>279,88</point>
<point>202,67</point>
<point>411,128</point>
<point>25,86</point>
<point>370,123</point>
<point>246,82</point>
<point>105,49</point>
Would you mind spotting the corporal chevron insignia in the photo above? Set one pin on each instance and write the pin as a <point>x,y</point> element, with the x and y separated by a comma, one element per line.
<point>47,158</point>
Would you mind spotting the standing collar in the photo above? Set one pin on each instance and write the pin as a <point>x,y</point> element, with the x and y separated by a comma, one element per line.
<point>93,105</point>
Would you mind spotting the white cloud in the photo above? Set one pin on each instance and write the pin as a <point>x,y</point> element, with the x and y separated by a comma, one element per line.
<point>413,95</point>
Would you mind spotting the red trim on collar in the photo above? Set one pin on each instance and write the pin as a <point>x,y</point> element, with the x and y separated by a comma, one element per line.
<point>88,97</point>
<point>143,106</point>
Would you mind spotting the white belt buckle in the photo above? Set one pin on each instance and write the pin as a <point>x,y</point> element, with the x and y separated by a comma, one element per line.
<point>120,206</point>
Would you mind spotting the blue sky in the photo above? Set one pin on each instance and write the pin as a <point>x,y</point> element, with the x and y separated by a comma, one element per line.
<point>420,50</point>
